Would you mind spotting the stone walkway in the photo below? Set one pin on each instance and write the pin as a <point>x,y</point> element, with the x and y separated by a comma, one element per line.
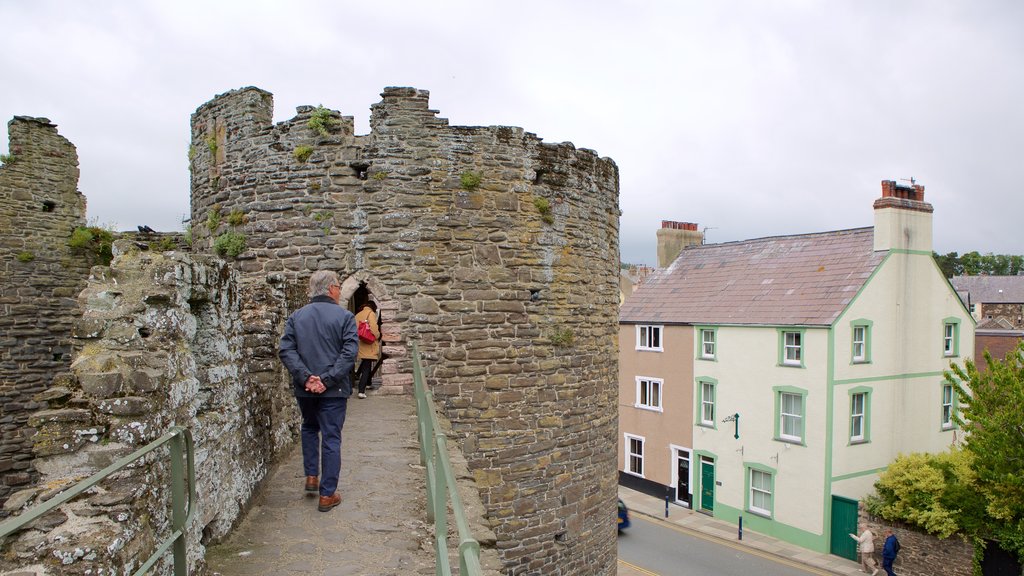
<point>380,526</point>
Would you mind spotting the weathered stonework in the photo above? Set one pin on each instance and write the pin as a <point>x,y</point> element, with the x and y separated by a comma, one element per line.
<point>507,285</point>
<point>494,253</point>
<point>39,207</point>
<point>921,554</point>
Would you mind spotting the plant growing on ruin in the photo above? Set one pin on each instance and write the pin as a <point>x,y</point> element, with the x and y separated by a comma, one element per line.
<point>26,257</point>
<point>211,143</point>
<point>470,180</point>
<point>188,234</point>
<point>563,337</point>
<point>236,218</point>
<point>544,207</point>
<point>321,121</point>
<point>93,240</point>
<point>6,159</point>
<point>191,152</point>
<point>380,175</point>
<point>229,244</point>
<point>302,153</point>
<point>166,244</point>
<point>213,218</point>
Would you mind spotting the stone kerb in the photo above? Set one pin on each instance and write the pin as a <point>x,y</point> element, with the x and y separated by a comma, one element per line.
<point>161,345</point>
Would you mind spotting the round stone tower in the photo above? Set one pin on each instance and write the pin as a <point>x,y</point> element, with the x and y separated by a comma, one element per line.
<point>497,254</point>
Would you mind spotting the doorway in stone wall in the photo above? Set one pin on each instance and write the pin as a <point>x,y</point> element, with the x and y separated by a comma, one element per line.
<point>356,301</point>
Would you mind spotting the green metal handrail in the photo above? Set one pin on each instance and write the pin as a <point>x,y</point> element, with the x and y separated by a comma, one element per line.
<point>441,482</point>
<point>182,511</point>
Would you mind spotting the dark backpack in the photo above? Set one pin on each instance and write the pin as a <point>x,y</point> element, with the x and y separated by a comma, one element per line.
<point>895,545</point>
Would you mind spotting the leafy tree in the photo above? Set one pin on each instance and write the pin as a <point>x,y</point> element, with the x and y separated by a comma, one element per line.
<point>975,264</point>
<point>992,417</point>
<point>935,492</point>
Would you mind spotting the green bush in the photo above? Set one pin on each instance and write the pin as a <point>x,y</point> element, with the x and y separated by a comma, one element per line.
<point>321,121</point>
<point>6,159</point>
<point>302,153</point>
<point>229,244</point>
<point>26,257</point>
<point>213,218</point>
<point>544,207</point>
<point>236,218</point>
<point>93,240</point>
<point>564,337</point>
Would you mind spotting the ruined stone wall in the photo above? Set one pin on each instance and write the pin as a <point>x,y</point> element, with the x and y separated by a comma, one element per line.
<point>494,252</point>
<point>39,207</point>
<point>921,554</point>
<point>161,345</point>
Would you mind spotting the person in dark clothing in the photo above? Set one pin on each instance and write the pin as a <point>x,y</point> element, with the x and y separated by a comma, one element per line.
<point>889,551</point>
<point>369,352</point>
<point>319,348</point>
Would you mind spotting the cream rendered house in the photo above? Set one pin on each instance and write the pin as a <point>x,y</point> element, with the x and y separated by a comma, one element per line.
<point>813,361</point>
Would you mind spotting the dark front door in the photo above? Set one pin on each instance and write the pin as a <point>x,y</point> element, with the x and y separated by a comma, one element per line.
<point>844,523</point>
<point>707,484</point>
<point>683,475</point>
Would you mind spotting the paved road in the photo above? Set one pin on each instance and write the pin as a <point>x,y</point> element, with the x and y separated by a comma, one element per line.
<point>653,548</point>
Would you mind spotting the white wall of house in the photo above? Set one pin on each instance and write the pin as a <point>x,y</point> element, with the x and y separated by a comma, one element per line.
<point>747,372</point>
<point>906,306</point>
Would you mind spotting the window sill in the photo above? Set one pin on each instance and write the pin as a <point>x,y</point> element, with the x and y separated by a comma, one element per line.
<point>648,408</point>
<point>858,442</point>
<point>706,426</point>
<point>765,515</point>
<point>707,358</point>
<point>790,365</point>
<point>790,441</point>
<point>855,362</point>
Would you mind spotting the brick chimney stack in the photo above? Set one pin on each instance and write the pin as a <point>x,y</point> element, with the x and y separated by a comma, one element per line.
<point>903,220</point>
<point>673,237</point>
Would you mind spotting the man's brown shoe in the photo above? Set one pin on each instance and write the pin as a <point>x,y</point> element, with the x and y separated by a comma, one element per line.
<point>328,502</point>
<point>312,484</point>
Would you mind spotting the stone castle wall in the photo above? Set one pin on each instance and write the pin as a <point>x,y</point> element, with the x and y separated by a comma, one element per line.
<point>39,208</point>
<point>508,286</point>
<point>921,554</point>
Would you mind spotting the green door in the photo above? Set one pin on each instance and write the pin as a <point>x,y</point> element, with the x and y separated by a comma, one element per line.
<point>844,523</point>
<point>707,484</point>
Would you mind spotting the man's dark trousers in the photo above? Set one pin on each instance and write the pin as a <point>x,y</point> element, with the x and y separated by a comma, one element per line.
<point>322,419</point>
<point>887,566</point>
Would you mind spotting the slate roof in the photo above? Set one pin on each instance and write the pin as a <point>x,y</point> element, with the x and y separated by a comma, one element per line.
<point>801,280</point>
<point>990,289</point>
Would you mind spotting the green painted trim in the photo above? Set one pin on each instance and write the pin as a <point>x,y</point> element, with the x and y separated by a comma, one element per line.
<point>911,252</point>
<point>773,528</point>
<point>783,330</point>
<point>866,391</point>
<point>860,474</point>
<point>698,419</point>
<point>863,287</point>
<point>747,468</point>
<point>884,378</point>
<point>825,543</point>
<point>777,392</point>
<point>867,325</point>
<point>699,342</point>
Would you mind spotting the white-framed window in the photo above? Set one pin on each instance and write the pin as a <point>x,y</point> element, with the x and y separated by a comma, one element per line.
<point>760,496</point>
<point>648,337</point>
<point>634,455</point>
<point>949,338</point>
<point>860,336</point>
<point>708,343</point>
<point>858,410</point>
<point>706,403</point>
<point>648,393</point>
<point>790,421</point>
<point>947,406</point>
<point>791,351</point>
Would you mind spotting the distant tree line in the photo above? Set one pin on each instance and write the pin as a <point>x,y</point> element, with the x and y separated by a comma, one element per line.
<point>974,264</point>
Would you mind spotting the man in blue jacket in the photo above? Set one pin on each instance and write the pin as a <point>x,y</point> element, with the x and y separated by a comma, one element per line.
<point>889,552</point>
<point>319,348</point>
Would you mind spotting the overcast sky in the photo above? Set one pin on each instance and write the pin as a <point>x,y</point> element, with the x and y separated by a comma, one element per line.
<point>751,118</point>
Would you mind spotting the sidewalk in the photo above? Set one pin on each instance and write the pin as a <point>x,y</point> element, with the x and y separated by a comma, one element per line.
<point>380,526</point>
<point>702,524</point>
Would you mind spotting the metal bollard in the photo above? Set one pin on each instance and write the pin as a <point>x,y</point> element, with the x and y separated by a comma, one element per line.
<point>668,492</point>
<point>741,527</point>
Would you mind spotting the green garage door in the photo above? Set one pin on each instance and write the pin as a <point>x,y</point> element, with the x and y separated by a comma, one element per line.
<point>844,523</point>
